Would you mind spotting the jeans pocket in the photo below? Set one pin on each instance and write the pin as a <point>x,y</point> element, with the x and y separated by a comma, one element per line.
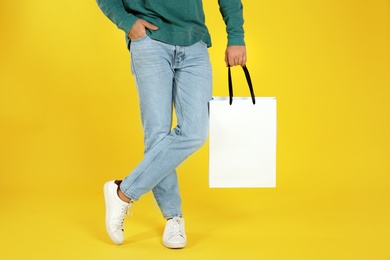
<point>139,39</point>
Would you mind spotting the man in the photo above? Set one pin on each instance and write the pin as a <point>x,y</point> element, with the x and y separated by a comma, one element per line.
<point>168,43</point>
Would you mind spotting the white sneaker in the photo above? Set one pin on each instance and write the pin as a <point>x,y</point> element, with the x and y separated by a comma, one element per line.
<point>116,210</point>
<point>174,234</point>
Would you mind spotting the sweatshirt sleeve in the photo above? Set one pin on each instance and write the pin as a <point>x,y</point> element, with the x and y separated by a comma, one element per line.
<point>232,14</point>
<point>117,13</point>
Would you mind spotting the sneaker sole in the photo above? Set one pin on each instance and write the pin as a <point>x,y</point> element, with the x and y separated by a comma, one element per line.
<point>174,246</point>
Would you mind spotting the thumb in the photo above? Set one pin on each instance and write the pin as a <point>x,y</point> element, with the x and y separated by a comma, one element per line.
<point>149,25</point>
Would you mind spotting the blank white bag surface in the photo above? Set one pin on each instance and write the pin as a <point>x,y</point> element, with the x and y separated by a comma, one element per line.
<point>242,147</point>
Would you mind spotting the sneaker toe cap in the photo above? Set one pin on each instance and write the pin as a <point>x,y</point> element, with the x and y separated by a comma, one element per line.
<point>116,236</point>
<point>175,242</point>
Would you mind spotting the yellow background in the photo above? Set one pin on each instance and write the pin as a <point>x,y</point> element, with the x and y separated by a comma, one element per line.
<point>69,121</point>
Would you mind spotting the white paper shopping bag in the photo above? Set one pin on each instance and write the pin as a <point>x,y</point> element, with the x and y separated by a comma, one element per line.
<point>242,146</point>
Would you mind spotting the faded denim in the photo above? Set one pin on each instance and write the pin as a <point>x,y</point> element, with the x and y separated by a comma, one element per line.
<point>168,75</point>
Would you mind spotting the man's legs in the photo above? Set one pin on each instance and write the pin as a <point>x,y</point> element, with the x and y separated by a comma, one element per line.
<point>190,71</point>
<point>154,79</point>
<point>164,73</point>
<point>192,75</point>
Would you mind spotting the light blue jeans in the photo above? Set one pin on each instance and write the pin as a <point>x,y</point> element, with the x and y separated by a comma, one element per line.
<point>168,75</point>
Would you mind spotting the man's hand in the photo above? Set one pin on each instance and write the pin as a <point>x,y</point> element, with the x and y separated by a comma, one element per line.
<point>139,29</point>
<point>235,55</point>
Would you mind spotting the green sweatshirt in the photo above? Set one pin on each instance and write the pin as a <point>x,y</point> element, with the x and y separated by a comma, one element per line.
<point>179,22</point>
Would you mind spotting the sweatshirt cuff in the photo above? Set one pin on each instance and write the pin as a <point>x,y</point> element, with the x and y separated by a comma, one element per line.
<point>236,41</point>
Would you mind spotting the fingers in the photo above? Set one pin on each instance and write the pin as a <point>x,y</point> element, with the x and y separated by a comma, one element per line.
<point>149,25</point>
<point>139,29</point>
<point>235,55</point>
<point>235,61</point>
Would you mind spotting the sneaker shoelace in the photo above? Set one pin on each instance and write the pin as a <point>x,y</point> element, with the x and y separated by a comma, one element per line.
<point>175,227</point>
<point>125,210</point>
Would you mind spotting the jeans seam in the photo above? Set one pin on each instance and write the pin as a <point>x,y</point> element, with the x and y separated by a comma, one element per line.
<point>135,73</point>
<point>181,107</point>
